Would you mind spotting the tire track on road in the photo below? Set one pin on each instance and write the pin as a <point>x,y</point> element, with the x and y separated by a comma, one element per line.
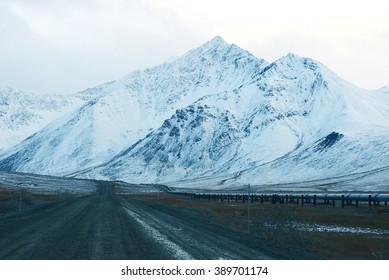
<point>192,235</point>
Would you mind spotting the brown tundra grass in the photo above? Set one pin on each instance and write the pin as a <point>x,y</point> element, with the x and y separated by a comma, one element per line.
<point>272,224</point>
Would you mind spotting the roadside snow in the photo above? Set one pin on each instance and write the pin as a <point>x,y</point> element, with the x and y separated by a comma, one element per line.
<point>172,247</point>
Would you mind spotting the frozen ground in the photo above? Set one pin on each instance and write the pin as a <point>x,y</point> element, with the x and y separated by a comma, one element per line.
<point>46,184</point>
<point>370,181</point>
<point>338,229</point>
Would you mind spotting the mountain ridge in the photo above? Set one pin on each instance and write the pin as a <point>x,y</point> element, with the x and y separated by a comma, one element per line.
<point>24,113</point>
<point>220,113</point>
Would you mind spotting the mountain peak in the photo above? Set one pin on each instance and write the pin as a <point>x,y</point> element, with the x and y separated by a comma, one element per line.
<point>293,60</point>
<point>218,51</point>
<point>217,40</point>
<point>292,56</point>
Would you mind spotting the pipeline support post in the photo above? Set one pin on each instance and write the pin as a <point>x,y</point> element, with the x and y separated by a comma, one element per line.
<point>20,198</point>
<point>248,208</point>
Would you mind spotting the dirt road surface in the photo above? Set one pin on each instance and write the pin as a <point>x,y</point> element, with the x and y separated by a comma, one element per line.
<point>105,226</point>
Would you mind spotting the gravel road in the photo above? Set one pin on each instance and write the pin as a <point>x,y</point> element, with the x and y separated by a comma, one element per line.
<point>105,226</point>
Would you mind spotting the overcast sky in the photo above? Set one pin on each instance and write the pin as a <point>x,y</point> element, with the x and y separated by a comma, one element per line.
<point>62,46</point>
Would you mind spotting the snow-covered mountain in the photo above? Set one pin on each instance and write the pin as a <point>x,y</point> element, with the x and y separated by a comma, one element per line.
<point>296,121</point>
<point>22,113</point>
<point>128,109</point>
<point>216,116</point>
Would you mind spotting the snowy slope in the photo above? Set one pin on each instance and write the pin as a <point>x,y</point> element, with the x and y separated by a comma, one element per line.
<point>89,93</point>
<point>22,114</point>
<point>383,94</point>
<point>384,90</point>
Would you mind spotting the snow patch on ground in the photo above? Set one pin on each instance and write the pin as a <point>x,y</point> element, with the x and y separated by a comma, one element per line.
<point>337,229</point>
<point>172,247</point>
